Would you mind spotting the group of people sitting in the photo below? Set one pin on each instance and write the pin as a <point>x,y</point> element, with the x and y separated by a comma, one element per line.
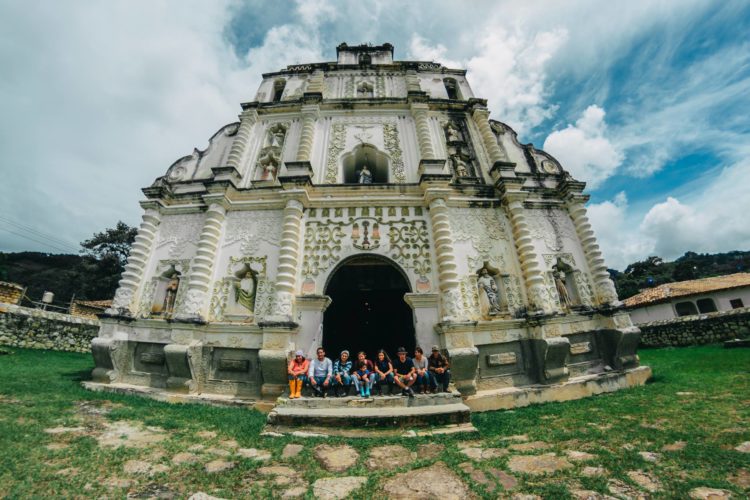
<point>427,374</point>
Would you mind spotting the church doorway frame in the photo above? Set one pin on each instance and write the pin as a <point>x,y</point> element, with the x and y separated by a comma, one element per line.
<point>409,340</point>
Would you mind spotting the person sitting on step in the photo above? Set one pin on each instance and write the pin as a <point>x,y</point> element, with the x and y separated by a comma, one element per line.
<point>358,383</point>
<point>320,373</point>
<point>404,373</point>
<point>364,376</point>
<point>439,369</point>
<point>383,372</point>
<point>341,378</point>
<point>297,372</point>
<point>422,373</point>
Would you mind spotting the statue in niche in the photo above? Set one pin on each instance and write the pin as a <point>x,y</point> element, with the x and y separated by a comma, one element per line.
<point>277,137</point>
<point>244,291</point>
<point>558,274</point>
<point>365,176</point>
<point>170,294</point>
<point>452,133</point>
<point>270,165</point>
<point>487,284</point>
<point>462,169</point>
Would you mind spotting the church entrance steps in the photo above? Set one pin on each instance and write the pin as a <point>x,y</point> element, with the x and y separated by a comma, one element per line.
<point>373,402</point>
<point>312,431</point>
<point>379,411</point>
<point>372,416</point>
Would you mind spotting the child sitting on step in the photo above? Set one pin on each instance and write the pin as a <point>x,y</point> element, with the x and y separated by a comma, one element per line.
<point>364,377</point>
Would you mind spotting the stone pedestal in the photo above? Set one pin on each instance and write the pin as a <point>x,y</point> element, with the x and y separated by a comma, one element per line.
<point>274,357</point>
<point>619,347</point>
<point>551,359</point>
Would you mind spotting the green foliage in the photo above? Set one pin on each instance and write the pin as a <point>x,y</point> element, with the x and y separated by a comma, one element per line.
<point>698,396</point>
<point>91,276</point>
<point>654,271</point>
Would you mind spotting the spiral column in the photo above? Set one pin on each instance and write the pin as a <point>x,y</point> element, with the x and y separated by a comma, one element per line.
<point>603,285</point>
<point>532,274</point>
<point>419,112</point>
<point>309,116</point>
<point>239,146</point>
<point>286,276</point>
<point>481,118</point>
<point>448,281</point>
<point>137,260</point>
<point>203,263</point>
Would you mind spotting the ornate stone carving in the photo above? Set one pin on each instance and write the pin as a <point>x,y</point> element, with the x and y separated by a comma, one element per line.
<point>322,247</point>
<point>123,298</point>
<point>335,147</point>
<point>393,147</point>
<point>470,297</point>
<point>182,266</point>
<point>269,158</point>
<point>178,231</point>
<point>224,288</point>
<point>513,293</point>
<point>487,285</point>
<point>379,86</point>
<point>410,245</point>
<point>349,87</point>
<point>252,228</point>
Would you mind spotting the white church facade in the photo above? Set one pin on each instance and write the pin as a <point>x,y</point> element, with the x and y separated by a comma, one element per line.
<point>362,204</point>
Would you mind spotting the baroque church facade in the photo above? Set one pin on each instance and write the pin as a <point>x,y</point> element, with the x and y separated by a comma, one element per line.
<point>362,204</point>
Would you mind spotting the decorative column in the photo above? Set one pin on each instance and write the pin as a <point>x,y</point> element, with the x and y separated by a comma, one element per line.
<point>442,237</point>
<point>603,285</point>
<point>419,111</point>
<point>239,146</point>
<point>137,260</point>
<point>309,116</point>
<point>203,264</point>
<point>412,82</point>
<point>481,118</point>
<point>532,274</point>
<point>286,277</point>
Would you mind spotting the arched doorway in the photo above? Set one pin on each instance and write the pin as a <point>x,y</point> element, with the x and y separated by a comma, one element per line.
<point>367,310</point>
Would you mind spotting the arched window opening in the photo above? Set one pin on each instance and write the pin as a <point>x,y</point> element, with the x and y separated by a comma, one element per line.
<point>278,89</point>
<point>365,91</point>
<point>685,309</point>
<point>365,165</point>
<point>451,88</point>
<point>706,305</point>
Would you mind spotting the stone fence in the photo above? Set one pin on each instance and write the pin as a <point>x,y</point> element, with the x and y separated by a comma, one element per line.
<point>697,329</point>
<point>37,329</point>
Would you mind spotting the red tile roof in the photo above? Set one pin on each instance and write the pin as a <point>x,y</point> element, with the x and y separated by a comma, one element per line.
<point>663,293</point>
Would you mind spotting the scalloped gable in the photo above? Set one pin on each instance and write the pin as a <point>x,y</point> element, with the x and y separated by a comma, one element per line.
<point>199,164</point>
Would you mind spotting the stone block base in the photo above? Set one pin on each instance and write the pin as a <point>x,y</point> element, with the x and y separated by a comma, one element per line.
<point>574,388</point>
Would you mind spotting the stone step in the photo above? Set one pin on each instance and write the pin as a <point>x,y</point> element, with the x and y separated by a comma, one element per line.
<point>372,402</point>
<point>370,416</point>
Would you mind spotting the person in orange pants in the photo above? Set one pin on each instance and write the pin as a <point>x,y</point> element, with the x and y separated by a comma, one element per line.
<point>297,371</point>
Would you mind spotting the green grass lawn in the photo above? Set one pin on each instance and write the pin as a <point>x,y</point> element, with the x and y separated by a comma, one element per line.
<point>699,395</point>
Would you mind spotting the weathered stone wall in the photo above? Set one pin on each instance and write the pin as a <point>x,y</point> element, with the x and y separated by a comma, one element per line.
<point>37,329</point>
<point>695,330</point>
<point>10,293</point>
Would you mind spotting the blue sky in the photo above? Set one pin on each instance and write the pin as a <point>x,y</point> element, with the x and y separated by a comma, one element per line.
<point>646,101</point>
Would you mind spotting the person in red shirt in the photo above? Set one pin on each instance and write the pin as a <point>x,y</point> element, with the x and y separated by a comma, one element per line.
<point>297,371</point>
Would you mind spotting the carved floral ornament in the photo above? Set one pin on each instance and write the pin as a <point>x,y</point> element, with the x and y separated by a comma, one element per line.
<point>405,241</point>
<point>251,229</point>
<point>178,231</point>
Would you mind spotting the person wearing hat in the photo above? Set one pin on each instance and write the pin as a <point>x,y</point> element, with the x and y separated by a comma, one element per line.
<point>297,371</point>
<point>439,369</point>
<point>341,378</point>
<point>404,372</point>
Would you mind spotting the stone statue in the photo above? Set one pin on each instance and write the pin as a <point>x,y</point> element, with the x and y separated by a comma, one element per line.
<point>488,285</point>
<point>171,294</point>
<point>452,133</point>
<point>244,292</point>
<point>269,163</point>
<point>365,176</point>
<point>562,290</point>
<point>277,138</point>
<point>461,167</point>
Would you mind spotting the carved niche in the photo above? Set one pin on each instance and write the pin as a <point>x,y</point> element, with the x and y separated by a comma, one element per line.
<point>164,294</point>
<point>567,284</point>
<point>269,158</point>
<point>244,294</point>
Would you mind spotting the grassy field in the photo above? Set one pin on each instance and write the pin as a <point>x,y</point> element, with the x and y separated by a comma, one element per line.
<point>680,431</point>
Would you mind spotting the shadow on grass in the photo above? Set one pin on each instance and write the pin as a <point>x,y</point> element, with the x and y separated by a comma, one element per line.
<point>77,376</point>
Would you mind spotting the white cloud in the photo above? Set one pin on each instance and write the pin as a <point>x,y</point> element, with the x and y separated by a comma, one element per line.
<point>612,223</point>
<point>421,50</point>
<point>584,150</point>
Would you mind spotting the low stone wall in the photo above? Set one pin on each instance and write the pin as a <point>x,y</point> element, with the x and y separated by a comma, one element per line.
<point>697,329</point>
<point>37,329</point>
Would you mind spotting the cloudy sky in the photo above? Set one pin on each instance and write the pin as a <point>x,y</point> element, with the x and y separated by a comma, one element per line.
<point>648,102</point>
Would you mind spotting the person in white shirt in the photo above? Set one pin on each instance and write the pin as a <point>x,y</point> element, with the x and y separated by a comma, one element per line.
<point>320,373</point>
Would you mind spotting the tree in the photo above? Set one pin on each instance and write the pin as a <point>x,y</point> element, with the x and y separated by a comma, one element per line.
<point>112,243</point>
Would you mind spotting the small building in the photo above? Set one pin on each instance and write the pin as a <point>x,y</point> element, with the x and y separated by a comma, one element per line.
<point>689,298</point>
<point>89,308</point>
<point>11,293</point>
